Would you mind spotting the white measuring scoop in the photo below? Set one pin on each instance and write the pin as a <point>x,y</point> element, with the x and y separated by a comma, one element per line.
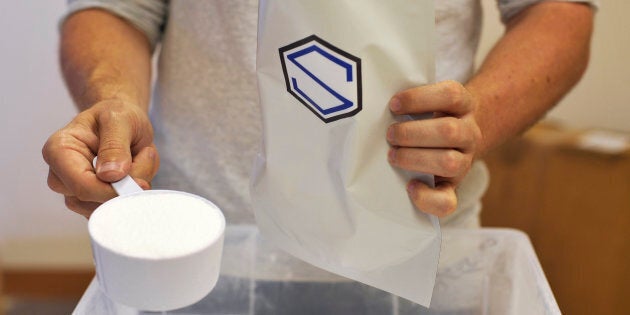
<point>156,250</point>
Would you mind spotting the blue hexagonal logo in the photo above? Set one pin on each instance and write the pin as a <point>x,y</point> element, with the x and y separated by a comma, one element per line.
<point>326,79</point>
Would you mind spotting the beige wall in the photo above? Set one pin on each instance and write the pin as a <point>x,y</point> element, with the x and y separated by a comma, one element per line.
<point>34,104</point>
<point>601,99</point>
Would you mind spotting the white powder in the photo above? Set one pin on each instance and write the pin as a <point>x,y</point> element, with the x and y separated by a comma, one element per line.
<point>156,224</point>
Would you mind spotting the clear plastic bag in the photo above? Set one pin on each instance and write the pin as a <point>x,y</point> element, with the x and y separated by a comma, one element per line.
<point>482,271</point>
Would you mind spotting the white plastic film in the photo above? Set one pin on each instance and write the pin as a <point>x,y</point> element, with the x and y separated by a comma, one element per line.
<point>322,188</point>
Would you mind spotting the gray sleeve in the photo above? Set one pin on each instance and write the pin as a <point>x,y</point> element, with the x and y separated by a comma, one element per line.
<point>510,8</point>
<point>149,16</point>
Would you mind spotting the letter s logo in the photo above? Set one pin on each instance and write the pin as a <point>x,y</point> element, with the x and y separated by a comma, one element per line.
<point>324,78</point>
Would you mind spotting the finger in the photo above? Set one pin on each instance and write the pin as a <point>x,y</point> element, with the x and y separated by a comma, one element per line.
<point>448,96</point>
<point>69,153</point>
<point>439,162</point>
<point>84,208</point>
<point>114,152</point>
<point>145,165</point>
<point>77,175</point>
<point>55,184</point>
<point>69,157</point>
<point>75,137</point>
<point>445,132</point>
<point>439,201</point>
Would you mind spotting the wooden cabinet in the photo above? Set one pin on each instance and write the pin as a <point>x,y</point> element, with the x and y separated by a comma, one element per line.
<point>575,206</point>
<point>2,306</point>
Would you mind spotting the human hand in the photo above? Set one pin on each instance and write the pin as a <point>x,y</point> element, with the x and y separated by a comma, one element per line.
<point>121,135</point>
<point>444,146</point>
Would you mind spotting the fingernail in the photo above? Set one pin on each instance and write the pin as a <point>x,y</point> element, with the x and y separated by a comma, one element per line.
<point>394,104</point>
<point>390,134</point>
<point>152,154</point>
<point>109,166</point>
<point>391,155</point>
<point>411,186</point>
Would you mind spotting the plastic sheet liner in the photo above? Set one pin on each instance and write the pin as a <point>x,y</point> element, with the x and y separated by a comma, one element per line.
<point>322,188</point>
<point>482,271</point>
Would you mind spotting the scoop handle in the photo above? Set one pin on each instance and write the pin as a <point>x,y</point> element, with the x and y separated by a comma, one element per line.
<point>123,187</point>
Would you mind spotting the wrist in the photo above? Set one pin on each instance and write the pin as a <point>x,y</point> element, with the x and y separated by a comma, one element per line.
<point>108,89</point>
<point>481,145</point>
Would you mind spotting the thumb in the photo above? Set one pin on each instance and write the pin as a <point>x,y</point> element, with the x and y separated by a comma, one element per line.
<point>114,153</point>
